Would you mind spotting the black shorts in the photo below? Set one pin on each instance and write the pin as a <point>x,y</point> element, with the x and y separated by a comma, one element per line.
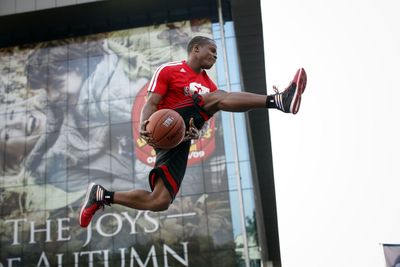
<point>171,164</point>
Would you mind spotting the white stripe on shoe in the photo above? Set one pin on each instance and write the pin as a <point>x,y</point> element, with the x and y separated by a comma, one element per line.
<point>99,193</point>
<point>278,101</point>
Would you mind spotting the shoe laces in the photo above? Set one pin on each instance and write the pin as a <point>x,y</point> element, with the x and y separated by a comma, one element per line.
<point>276,90</point>
<point>101,205</point>
<point>104,203</point>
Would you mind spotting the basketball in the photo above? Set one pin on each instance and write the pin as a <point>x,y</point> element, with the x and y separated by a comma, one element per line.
<point>167,128</point>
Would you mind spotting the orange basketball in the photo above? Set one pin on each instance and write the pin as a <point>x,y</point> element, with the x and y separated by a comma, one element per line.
<point>167,128</point>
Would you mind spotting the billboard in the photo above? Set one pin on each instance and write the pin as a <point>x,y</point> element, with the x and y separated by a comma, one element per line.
<point>67,108</point>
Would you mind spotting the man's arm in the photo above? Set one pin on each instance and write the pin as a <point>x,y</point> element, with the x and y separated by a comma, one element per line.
<point>150,106</point>
<point>148,109</point>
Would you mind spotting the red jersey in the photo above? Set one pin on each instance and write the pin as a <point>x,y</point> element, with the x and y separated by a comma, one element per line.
<point>176,82</point>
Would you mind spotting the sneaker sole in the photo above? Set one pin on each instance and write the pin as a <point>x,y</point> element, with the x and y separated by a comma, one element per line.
<point>301,82</point>
<point>89,189</point>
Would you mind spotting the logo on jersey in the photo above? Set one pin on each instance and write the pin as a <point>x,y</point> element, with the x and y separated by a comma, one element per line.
<point>195,88</point>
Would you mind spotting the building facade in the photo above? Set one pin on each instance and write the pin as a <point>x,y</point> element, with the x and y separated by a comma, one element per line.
<point>70,108</point>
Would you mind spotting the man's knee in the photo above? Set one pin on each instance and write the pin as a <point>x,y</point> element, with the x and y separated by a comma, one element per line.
<point>161,203</point>
<point>160,198</point>
<point>212,101</point>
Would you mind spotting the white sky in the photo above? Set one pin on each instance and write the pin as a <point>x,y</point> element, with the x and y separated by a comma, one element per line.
<point>337,162</point>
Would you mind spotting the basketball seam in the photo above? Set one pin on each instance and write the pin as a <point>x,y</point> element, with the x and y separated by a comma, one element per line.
<point>155,124</point>
<point>174,127</point>
<point>169,130</point>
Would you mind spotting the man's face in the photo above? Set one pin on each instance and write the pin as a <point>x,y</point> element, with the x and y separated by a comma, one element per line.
<point>207,55</point>
<point>20,129</point>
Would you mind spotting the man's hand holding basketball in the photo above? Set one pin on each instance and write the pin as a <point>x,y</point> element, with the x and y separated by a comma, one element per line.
<point>192,132</point>
<point>144,134</point>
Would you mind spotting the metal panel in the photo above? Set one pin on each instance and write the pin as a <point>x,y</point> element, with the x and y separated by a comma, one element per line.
<point>60,3</point>
<point>43,4</point>
<point>24,5</point>
<point>7,7</point>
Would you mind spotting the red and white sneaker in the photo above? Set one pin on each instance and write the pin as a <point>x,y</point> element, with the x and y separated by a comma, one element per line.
<point>289,100</point>
<point>94,200</point>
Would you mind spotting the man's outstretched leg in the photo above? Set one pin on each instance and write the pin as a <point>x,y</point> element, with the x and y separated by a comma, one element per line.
<point>97,196</point>
<point>287,101</point>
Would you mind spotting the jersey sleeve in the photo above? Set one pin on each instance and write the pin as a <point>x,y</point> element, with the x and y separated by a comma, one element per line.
<point>159,82</point>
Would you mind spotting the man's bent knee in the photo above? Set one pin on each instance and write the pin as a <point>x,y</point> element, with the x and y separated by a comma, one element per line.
<point>212,101</point>
<point>161,204</point>
<point>160,198</point>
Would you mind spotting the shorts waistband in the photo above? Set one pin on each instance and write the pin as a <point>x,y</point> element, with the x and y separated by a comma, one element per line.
<point>199,101</point>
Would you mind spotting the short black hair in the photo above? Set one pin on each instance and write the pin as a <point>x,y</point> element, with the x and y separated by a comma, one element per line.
<point>199,40</point>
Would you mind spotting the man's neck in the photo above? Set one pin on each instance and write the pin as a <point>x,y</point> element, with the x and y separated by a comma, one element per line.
<point>195,67</point>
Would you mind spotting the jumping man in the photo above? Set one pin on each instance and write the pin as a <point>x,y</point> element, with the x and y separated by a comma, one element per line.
<point>185,87</point>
